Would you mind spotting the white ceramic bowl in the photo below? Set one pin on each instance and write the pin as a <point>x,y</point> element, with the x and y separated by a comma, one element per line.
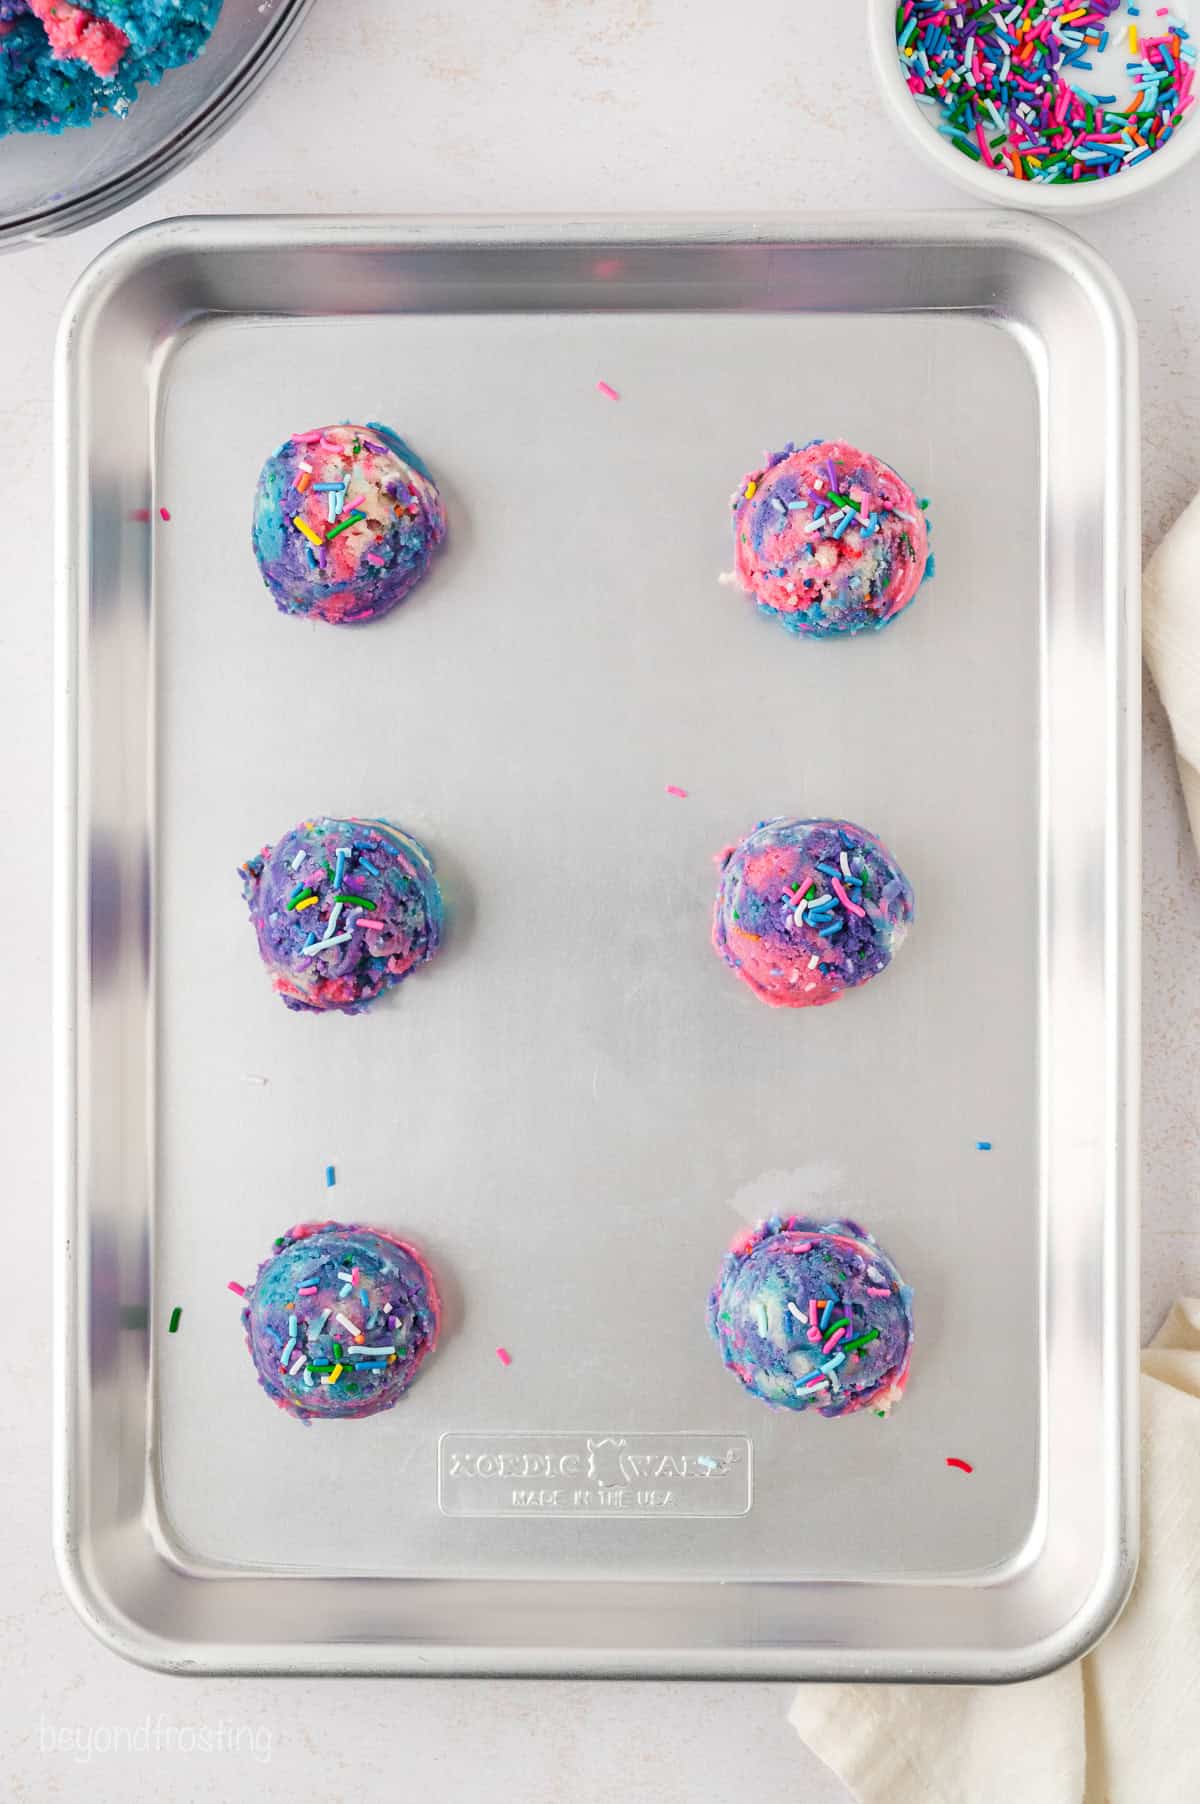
<point>917,121</point>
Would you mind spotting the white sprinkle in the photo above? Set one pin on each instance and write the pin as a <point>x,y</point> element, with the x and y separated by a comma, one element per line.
<point>353,1327</point>
<point>310,951</point>
<point>334,912</point>
<point>813,962</point>
<point>308,1379</point>
<point>305,466</point>
<point>303,1360</point>
<point>364,1352</point>
<point>818,901</point>
<point>798,1313</point>
<point>846,871</point>
<point>298,860</point>
<point>313,1332</point>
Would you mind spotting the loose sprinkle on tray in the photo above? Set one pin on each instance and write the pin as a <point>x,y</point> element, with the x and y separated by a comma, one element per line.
<point>961,1464</point>
<point>173,1325</point>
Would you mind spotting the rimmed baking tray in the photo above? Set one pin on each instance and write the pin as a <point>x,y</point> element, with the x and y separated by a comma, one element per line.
<point>572,1110</point>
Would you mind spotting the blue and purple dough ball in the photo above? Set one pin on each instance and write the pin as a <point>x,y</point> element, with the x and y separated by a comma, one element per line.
<point>814,1315</point>
<point>346,521</point>
<point>342,910</point>
<point>806,910</point>
<point>339,1320</point>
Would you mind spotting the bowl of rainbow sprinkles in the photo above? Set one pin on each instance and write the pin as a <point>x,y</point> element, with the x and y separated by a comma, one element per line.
<point>1041,103</point>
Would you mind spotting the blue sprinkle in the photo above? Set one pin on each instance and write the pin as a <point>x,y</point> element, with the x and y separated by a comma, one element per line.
<point>845,839</point>
<point>330,1177</point>
<point>826,1315</point>
<point>930,567</point>
<point>983,1146</point>
<point>366,1301</point>
<point>367,865</point>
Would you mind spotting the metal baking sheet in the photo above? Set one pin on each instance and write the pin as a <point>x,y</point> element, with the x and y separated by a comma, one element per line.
<point>574,1109</point>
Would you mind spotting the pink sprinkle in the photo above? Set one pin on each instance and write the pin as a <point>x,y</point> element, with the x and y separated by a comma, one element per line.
<point>833,1340</point>
<point>877,1293</point>
<point>307,1290</point>
<point>374,922</point>
<point>239,1290</point>
<point>610,393</point>
<point>504,1356</point>
<point>355,1275</point>
<point>164,513</point>
<point>816,1383</point>
<point>674,790</point>
<point>839,891</point>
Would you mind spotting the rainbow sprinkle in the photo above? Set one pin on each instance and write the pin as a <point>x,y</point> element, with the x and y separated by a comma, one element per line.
<point>1004,79</point>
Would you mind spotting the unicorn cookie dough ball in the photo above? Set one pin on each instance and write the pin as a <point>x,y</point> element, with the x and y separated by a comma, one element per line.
<point>346,520</point>
<point>339,1319</point>
<point>808,909</point>
<point>810,1315</point>
<point>829,540</point>
<point>342,910</point>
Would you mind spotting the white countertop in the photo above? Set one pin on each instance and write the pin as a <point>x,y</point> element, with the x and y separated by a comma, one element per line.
<point>617,106</point>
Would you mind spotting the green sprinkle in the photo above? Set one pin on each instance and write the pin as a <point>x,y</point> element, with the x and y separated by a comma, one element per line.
<point>833,1327</point>
<point>851,1346</point>
<point>337,1349</point>
<point>344,525</point>
<point>174,1322</point>
<point>301,896</point>
<point>358,901</point>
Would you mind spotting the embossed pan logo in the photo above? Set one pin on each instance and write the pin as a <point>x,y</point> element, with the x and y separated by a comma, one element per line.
<point>563,1474</point>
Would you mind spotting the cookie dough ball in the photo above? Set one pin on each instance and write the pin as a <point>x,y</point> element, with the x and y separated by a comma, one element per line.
<point>814,1315</point>
<point>807,909</point>
<point>342,910</point>
<point>346,520</point>
<point>829,540</point>
<point>339,1319</point>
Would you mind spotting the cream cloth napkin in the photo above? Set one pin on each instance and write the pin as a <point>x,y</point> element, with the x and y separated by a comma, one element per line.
<point>1119,1727</point>
<point>1171,642</point>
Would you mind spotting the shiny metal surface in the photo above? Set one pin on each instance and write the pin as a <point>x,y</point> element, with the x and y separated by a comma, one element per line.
<point>573,1109</point>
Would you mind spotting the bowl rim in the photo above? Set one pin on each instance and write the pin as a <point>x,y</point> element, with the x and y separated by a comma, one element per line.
<point>174,153</point>
<point>982,183</point>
